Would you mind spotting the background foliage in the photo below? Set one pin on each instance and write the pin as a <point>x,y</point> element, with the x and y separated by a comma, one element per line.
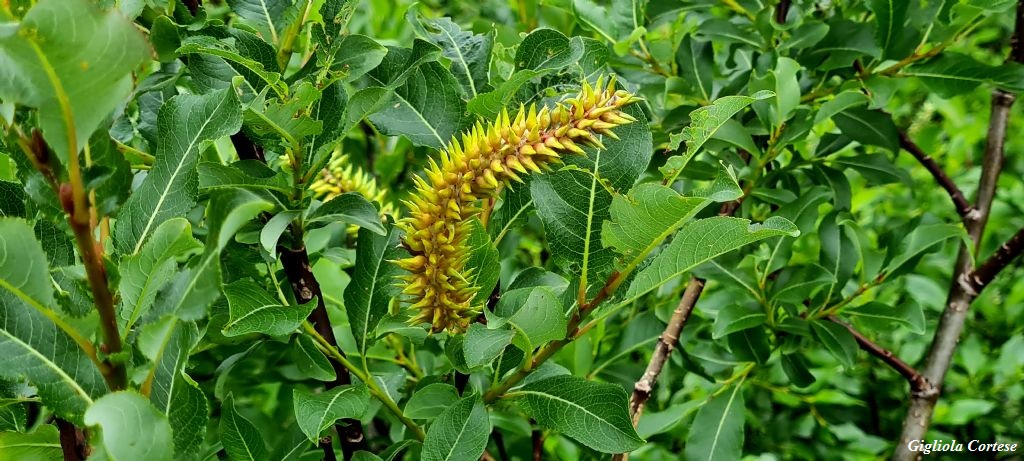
<point>169,273</point>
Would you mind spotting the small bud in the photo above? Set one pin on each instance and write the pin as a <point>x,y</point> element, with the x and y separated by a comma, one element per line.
<point>66,198</point>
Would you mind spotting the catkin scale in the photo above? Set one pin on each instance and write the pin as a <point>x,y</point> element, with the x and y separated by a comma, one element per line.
<point>446,197</point>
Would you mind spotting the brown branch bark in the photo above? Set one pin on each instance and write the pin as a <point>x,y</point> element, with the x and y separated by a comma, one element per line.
<point>1006,253</point>
<point>192,5</point>
<point>305,287</point>
<point>918,383</point>
<point>666,344</point>
<point>962,291</point>
<point>72,441</point>
<point>537,436</point>
<point>963,207</point>
<point>782,10</point>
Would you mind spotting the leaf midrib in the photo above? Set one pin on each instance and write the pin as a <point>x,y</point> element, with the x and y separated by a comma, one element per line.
<point>174,175</point>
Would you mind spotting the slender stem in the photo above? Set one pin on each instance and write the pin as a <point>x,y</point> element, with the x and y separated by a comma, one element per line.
<point>963,207</point>
<point>666,344</point>
<point>918,383</point>
<point>375,390</point>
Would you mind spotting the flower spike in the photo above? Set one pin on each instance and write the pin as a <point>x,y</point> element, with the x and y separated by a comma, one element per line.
<point>474,167</point>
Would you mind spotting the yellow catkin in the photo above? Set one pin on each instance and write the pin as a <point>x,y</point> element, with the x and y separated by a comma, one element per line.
<point>340,177</point>
<point>439,285</point>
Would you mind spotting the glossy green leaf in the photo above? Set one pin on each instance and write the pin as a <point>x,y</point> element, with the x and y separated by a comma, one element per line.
<point>266,16</point>
<point>76,76</point>
<point>484,260</point>
<point>460,432</point>
<point>908,313</point>
<point>921,240</point>
<point>311,362</point>
<point>595,414</point>
<point>373,283</point>
<point>870,127</point>
<point>696,64</point>
<point>144,273</point>
<point>535,311</point>
<point>254,310</point>
<point>890,16</point>
<point>351,208</point>
<point>36,343</point>
<point>692,247</point>
<point>706,120</point>
<point>470,53</point>
<point>953,74</point>
<point>482,345</point>
<point>837,340</point>
<point>431,400</point>
<point>132,428</point>
<point>43,444</point>
<point>717,431</point>
<point>736,317</point>
<point>316,412</point>
<point>241,439</point>
<point>171,188</point>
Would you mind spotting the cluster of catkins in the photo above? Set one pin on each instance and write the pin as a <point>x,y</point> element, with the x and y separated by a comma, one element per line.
<point>340,177</point>
<point>439,285</point>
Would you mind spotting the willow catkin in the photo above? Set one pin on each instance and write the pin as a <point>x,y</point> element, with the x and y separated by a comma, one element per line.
<point>340,177</point>
<point>439,285</point>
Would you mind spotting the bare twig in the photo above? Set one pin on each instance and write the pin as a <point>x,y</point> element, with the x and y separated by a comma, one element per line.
<point>963,207</point>
<point>963,291</point>
<point>328,448</point>
<point>72,441</point>
<point>782,10</point>
<point>918,383</point>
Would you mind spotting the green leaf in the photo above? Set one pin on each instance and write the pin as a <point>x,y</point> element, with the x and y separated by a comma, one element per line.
<point>595,414</point>
<point>717,430</point>
<point>952,74</point>
<point>286,117</point>
<point>372,287</point>
<point>574,201</point>
<point>35,342</point>
<point>431,400</point>
<point>427,108</point>
<point>704,122</point>
<point>547,49</point>
<point>166,343</point>
<point>696,62</point>
<point>890,17</point>
<point>908,313</point>
<point>144,273</point>
<point>316,412</point>
<point>842,101</point>
<point>651,212</point>
<point>797,370</point>
<point>240,437</point>
<point>73,62</point>
<point>869,127</point>
<point>536,311</point>
<point>266,16</point>
<point>460,432</point>
<point>736,317</point>
<point>350,207</point>
<point>615,22</point>
<point>189,414</point>
<point>12,199</point>
<point>470,53</point>
<point>309,360</point>
<point>253,310</point>
<point>700,241</point>
<point>358,54</point>
<point>482,344</point>
<point>837,340</point>
<point>921,240</point>
<point>226,49</point>
<point>197,286</point>
<point>750,345</point>
<point>43,444</point>
<point>171,188</point>
<point>484,260</point>
<point>488,105</point>
<point>132,428</point>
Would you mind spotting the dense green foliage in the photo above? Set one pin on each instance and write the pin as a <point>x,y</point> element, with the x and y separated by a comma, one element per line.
<point>199,255</point>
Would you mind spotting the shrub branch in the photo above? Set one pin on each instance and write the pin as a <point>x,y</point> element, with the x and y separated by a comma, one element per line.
<point>919,385</point>
<point>963,291</point>
<point>963,207</point>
